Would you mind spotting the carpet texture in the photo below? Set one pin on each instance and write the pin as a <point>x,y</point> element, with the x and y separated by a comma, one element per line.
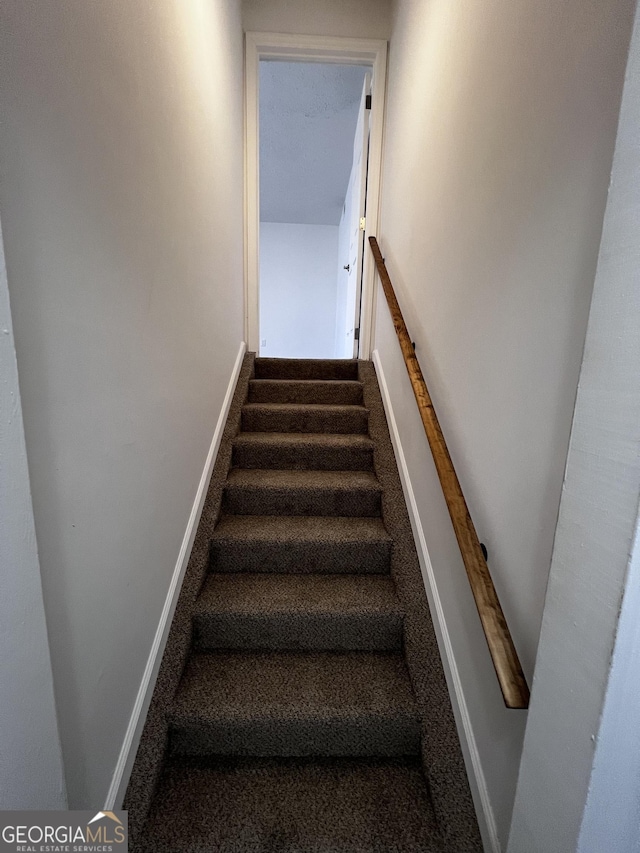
<point>301,705</point>
<point>258,805</point>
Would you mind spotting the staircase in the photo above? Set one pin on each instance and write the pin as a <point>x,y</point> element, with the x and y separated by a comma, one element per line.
<point>287,718</point>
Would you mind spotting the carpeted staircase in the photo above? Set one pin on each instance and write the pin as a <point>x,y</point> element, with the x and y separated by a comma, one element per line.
<point>301,705</point>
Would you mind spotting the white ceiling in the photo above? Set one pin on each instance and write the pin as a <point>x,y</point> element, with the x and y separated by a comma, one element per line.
<point>308,115</point>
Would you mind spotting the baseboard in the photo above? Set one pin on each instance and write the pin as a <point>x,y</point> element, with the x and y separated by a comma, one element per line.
<point>477,783</point>
<point>120,778</point>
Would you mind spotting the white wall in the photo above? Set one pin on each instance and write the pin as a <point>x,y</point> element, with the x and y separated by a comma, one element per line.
<point>347,18</point>
<point>499,137</point>
<point>121,201</point>
<point>298,290</point>
<point>583,732</point>
<point>31,773</point>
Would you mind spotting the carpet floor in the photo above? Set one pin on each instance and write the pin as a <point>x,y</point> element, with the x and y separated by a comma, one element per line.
<point>301,705</point>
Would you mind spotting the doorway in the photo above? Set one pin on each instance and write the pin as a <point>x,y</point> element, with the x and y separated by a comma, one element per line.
<point>284,257</point>
<point>314,141</point>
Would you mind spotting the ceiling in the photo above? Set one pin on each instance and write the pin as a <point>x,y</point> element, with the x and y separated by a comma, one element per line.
<point>308,115</point>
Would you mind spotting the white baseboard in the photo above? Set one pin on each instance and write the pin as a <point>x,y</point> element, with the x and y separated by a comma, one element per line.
<point>121,774</point>
<point>477,783</point>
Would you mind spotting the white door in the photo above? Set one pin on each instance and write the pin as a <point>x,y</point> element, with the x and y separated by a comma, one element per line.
<point>355,204</point>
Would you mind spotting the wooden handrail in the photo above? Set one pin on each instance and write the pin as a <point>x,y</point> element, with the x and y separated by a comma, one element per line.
<point>505,658</point>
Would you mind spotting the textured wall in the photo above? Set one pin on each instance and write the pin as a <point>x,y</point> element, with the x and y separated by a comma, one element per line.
<point>121,202</point>
<point>500,131</point>
<point>298,282</point>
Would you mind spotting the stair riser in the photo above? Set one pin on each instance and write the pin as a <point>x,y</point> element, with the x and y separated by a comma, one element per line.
<point>298,737</point>
<point>343,422</point>
<point>299,632</point>
<point>284,368</point>
<point>301,558</point>
<point>263,500</point>
<point>306,457</point>
<point>332,393</point>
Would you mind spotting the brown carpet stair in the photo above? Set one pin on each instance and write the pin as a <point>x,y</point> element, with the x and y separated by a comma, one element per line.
<point>295,724</point>
<point>321,451</point>
<point>292,492</point>
<point>303,417</point>
<point>296,612</point>
<point>313,391</point>
<point>294,805</point>
<point>301,544</point>
<point>295,704</point>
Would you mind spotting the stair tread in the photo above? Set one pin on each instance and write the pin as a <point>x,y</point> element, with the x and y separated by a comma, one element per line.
<point>305,417</point>
<point>312,686</point>
<point>305,368</point>
<point>324,439</point>
<point>334,408</point>
<point>272,594</point>
<point>326,451</point>
<point>300,544</point>
<point>250,478</point>
<point>310,382</point>
<point>346,391</point>
<point>296,491</point>
<point>293,529</point>
<point>315,806</point>
<point>321,612</point>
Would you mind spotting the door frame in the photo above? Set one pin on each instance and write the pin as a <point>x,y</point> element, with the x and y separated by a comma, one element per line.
<point>300,48</point>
